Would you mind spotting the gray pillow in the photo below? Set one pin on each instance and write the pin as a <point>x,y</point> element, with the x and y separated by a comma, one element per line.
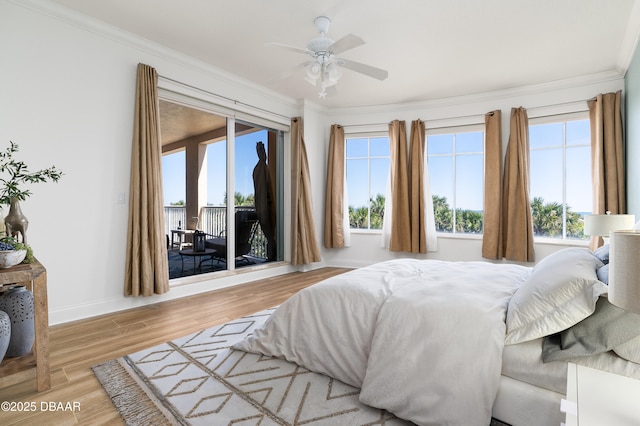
<point>608,327</point>
<point>602,253</point>
<point>603,274</point>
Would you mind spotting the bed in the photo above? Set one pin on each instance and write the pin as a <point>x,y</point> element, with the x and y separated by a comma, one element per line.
<point>457,343</point>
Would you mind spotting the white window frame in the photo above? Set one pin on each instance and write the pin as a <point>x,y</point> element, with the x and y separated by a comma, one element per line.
<point>361,135</point>
<point>555,119</point>
<point>465,128</point>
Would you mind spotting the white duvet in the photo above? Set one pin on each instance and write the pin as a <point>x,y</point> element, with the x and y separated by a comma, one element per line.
<point>423,339</point>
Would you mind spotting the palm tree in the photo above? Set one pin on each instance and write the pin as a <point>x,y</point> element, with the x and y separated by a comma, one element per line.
<point>377,211</point>
<point>358,217</point>
<point>547,218</point>
<point>468,221</point>
<point>443,214</point>
<point>575,225</point>
<point>240,200</point>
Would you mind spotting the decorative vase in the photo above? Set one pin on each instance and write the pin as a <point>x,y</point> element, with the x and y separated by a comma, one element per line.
<point>18,303</point>
<point>16,222</point>
<point>9,258</point>
<point>5,333</point>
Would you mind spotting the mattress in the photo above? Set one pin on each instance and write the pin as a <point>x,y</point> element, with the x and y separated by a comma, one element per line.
<point>530,390</point>
<point>523,362</point>
<point>522,404</point>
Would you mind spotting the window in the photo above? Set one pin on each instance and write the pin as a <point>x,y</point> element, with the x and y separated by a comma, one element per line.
<point>207,157</point>
<point>560,175</point>
<point>173,182</point>
<point>456,170</point>
<point>367,169</point>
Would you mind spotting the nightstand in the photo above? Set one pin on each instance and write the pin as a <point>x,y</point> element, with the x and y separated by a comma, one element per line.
<point>597,398</point>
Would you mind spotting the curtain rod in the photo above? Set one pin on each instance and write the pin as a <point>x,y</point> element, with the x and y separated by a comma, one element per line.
<point>365,125</point>
<point>218,96</point>
<point>480,116</point>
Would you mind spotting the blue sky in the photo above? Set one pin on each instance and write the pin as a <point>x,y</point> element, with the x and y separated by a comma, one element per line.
<point>546,167</point>
<point>357,150</point>
<point>546,164</point>
<point>173,170</point>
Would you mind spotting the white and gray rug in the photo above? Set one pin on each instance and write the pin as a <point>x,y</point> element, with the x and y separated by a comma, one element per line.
<point>198,380</point>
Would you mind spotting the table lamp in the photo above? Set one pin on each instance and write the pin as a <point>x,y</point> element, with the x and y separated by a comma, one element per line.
<point>600,225</point>
<point>624,270</point>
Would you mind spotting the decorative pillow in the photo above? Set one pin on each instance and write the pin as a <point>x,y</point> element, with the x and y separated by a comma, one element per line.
<point>561,291</point>
<point>607,328</point>
<point>602,253</point>
<point>603,274</point>
<point>629,350</point>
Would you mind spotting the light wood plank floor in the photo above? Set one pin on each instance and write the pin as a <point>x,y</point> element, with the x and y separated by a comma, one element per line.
<point>76,346</point>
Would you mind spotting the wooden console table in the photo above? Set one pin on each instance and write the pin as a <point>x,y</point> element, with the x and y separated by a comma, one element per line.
<point>35,364</point>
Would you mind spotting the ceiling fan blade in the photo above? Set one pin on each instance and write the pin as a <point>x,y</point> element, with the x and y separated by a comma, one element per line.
<point>374,72</point>
<point>288,73</point>
<point>345,43</point>
<point>292,48</point>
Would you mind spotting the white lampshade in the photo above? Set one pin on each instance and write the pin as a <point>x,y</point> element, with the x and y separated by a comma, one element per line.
<point>601,224</point>
<point>624,270</point>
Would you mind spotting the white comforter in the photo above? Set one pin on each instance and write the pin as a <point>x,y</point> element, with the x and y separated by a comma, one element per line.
<point>423,339</point>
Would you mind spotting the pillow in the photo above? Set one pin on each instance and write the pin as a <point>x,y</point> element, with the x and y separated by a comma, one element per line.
<point>602,253</point>
<point>629,350</point>
<point>603,274</point>
<point>561,291</point>
<point>607,328</point>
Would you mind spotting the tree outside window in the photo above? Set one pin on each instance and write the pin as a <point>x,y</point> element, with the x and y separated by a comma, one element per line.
<point>560,175</point>
<point>456,170</point>
<point>367,168</point>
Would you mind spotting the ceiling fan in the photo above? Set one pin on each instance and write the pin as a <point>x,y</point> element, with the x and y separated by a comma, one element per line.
<point>325,69</point>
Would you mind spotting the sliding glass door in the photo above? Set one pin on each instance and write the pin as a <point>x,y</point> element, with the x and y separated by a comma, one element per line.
<point>222,177</point>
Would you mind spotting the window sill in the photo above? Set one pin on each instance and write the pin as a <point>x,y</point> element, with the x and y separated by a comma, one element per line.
<point>560,242</point>
<point>536,240</point>
<point>461,236</point>
<point>365,231</point>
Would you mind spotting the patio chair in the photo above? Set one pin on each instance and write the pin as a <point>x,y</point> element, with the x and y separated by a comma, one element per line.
<point>246,222</point>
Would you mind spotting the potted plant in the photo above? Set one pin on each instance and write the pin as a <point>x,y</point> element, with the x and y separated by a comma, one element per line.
<point>14,175</point>
<point>13,252</point>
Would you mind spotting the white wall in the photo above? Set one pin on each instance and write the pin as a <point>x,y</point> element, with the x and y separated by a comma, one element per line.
<point>632,136</point>
<point>67,97</point>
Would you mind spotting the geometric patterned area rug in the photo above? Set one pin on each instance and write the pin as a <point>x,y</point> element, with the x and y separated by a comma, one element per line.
<point>199,380</point>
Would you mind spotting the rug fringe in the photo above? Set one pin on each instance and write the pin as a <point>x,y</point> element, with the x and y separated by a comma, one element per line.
<point>134,404</point>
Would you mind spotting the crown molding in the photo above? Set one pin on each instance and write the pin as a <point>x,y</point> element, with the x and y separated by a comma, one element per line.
<point>100,28</point>
<point>483,97</point>
<point>630,40</point>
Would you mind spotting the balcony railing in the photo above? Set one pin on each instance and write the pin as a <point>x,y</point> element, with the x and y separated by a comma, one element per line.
<point>213,220</point>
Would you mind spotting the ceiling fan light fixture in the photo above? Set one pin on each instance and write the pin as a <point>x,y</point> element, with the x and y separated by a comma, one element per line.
<point>334,71</point>
<point>313,71</point>
<point>325,68</point>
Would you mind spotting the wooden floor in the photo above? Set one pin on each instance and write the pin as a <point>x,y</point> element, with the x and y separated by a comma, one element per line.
<point>76,346</point>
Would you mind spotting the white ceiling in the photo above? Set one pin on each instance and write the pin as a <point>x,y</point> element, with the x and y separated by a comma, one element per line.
<point>431,48</point>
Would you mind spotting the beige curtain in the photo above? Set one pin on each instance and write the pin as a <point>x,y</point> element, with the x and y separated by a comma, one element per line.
<point>334,226</point>
<point>418,231</point>
<point>517,225</point>
<point>607,156</point>
<point>304,247</point>
<point>146,269</point>
<point>491,235</point>
<point>400,238</point>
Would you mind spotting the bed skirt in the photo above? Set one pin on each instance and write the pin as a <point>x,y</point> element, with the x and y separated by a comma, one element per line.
<point>521,404</point>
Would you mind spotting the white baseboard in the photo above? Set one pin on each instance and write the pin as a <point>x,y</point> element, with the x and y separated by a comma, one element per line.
<point>182,287</point>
